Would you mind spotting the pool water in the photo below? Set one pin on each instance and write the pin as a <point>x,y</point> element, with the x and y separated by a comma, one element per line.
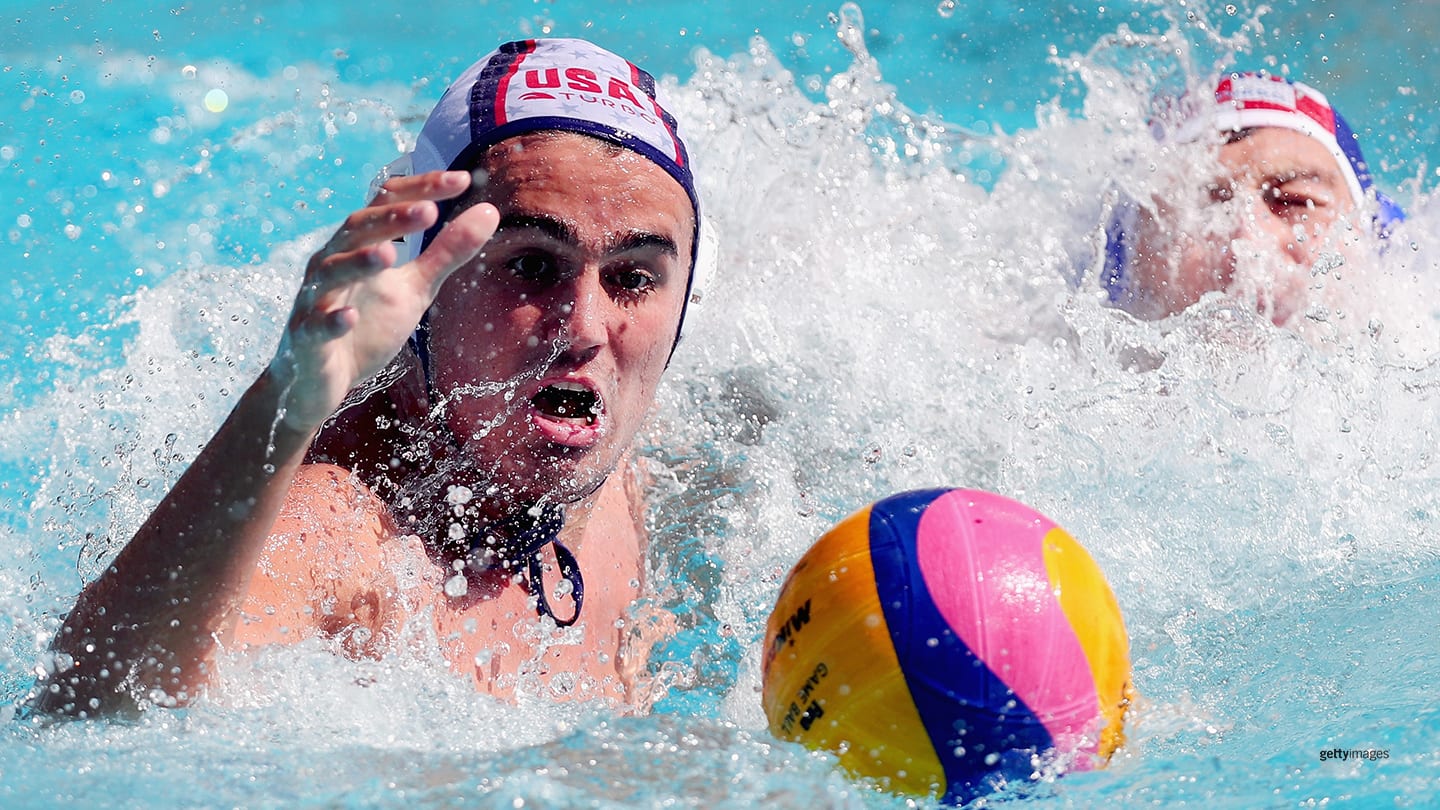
<point>903,192</point>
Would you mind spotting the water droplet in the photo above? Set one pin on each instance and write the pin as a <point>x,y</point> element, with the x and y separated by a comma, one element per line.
<point>456,586</point>
<point>216,100</point>
<point>946,8</point>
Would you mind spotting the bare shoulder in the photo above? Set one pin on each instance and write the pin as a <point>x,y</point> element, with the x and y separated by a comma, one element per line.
<point>325,567</point>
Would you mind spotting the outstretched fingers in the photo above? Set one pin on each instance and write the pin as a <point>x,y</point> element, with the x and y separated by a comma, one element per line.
<point>328,271</point>
<point>458,243</point>
<point>403,205</point>
<point>364,245</point>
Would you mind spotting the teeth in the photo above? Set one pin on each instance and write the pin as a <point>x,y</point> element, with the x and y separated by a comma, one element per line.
<point>568,399</point>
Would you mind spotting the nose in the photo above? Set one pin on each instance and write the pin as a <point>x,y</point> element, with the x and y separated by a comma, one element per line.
<point>581,317</point>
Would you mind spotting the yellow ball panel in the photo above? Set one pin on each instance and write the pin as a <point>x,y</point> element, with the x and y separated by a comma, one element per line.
<point>831,677</point>
<point>1090,607</point>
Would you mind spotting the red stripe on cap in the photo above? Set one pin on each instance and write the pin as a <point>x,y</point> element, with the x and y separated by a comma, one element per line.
<point>502,88</point>
<point>676,153</point>
<point>1322,114</point>
<point>1224,90</point>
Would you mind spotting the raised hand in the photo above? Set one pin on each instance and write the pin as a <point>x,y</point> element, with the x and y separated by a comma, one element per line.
<point>355,310</point>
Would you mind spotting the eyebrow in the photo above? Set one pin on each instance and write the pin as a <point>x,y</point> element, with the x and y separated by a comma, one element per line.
<point>636,240</point>
<point>562,231</point>
<point>556,229</point>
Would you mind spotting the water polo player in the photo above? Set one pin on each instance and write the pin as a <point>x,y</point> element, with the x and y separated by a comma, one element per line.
<point>1288,170</point>
<point>546,237</point>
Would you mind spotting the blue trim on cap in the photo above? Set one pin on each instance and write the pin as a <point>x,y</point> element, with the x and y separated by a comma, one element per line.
<point>1388,213</point>
<point>1350,147</point>
<point>961,701</point>
<point>485,92</point>
<point>1117,252</point>
<point>522,126</point>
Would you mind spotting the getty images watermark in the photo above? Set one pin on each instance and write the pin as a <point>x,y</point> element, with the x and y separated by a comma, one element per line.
<point>1345,754</point>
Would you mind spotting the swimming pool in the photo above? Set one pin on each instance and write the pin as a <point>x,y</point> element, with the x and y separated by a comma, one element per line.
<point>891,314</point>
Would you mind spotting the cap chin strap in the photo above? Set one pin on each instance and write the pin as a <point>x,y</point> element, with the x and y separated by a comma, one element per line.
<point>519,540</point>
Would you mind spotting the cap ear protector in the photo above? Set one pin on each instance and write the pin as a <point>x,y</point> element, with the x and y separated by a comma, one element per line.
<point>702,272</point>
<point>1113,271</point>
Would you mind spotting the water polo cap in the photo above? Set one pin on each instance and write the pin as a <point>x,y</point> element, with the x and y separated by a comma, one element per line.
<point>557,84</point>
<point>1248,101</point>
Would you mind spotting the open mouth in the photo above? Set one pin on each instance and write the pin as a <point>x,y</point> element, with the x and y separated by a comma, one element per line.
<point>567,401</point>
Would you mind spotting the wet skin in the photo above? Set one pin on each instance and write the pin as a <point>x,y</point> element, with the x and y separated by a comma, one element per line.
<point>579,290</point>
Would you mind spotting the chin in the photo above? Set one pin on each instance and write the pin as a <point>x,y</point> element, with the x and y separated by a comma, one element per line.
<point>527,466</point>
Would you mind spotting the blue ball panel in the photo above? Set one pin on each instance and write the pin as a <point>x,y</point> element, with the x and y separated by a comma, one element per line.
<point>961,701</point>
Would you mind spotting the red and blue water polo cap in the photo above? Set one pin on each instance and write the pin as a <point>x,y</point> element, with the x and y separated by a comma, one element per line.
<point>1252,100</point>
<point>551,84</point>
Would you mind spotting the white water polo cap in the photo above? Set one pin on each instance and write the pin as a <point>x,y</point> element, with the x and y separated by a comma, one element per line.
<point>557,84</point>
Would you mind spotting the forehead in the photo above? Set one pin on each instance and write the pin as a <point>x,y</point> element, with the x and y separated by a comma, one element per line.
<point>1270,151</point>
<point>569,176</point>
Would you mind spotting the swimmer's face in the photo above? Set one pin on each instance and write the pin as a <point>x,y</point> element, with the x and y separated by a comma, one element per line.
<point>1257,227</point>
<point>548,347</point>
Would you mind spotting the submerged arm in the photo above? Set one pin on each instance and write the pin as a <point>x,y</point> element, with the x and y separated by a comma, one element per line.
<point>144,630</point>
